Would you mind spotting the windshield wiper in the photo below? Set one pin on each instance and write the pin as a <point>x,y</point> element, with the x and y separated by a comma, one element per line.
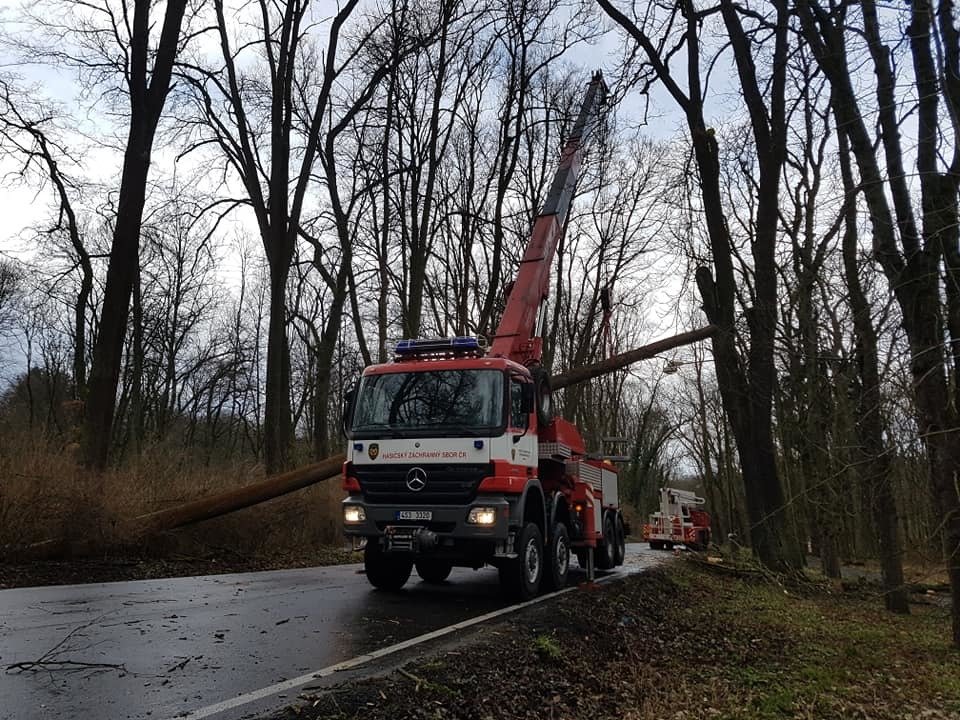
<point>455,429</point>
<point>386,429</point>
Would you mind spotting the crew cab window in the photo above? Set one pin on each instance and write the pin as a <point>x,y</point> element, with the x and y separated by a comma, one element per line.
<point>518,418</point>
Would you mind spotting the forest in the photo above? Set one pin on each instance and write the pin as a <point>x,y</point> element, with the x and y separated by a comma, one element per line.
<point>217,213</point>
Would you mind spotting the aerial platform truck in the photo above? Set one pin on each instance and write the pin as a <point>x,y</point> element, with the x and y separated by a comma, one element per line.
<point>678,522</point>
<point>454,455</point>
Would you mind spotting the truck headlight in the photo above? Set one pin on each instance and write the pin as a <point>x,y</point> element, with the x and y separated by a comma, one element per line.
<point>482,516</point>
<point>354,514</point>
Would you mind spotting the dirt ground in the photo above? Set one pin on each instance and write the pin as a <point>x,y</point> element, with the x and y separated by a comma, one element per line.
<point>684,641</point>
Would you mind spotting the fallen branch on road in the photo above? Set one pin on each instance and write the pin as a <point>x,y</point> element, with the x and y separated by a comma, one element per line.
<point>49,660</point>
<point>63,665</point>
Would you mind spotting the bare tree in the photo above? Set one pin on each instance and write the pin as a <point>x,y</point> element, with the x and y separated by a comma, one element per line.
<point>273,150</point>
<point>10,280</point>
<point>746,382</point>
<point>26,135</point>
<point>810,388</point>
<point>127,48</point>
<point>874,461</point>
<point>913,255</point>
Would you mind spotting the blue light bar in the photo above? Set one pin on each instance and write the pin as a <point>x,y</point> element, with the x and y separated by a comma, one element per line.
<point>430,346</point>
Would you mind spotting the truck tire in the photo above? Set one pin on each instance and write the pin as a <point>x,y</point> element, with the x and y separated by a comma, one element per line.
<point>620,549</point>
<point>520,578</point>
<point>558,558</point>
<point>605,553</point>
<point>656,544</point>
<point>703,541</point>
<point>433,571</point>
<point>384,570</point>
<point>543,396</point>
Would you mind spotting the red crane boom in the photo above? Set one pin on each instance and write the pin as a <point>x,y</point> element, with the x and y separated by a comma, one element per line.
<point>516,337</point>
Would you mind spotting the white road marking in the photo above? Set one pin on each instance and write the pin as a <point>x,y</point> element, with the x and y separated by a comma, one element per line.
<point>255,695</point>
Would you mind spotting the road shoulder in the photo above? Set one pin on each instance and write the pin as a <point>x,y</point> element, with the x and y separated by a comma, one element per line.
<point>678,638</point>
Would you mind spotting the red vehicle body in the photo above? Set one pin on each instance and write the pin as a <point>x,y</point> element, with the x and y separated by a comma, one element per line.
<point>677,522</point>
<point>454,457</point>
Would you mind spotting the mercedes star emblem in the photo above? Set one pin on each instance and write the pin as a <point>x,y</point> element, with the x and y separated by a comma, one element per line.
<point>416,479</point>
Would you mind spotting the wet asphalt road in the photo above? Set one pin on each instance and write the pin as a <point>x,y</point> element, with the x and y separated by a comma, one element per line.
<point>158,648</point>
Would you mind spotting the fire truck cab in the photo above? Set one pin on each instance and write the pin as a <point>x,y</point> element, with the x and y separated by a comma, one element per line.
<point>453,460</point>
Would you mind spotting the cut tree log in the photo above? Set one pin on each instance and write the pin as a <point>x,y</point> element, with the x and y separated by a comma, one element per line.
<point>617,362</point>
<point>130,530</point>
<point>232,500</point>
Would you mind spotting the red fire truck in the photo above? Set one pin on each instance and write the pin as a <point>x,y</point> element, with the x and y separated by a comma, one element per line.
<point>454,456</point>
<point>677,522</point>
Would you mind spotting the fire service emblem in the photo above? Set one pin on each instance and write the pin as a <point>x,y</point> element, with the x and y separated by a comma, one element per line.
<point>373,451</point>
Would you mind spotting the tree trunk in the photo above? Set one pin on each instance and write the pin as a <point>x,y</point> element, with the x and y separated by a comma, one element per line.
<point>136,391</point>
<point>625,359</point>
<point>912,269</point>
<point>80,329</point>
<point>873,455</point>
<point>147,100</point>
<point>277,426</point>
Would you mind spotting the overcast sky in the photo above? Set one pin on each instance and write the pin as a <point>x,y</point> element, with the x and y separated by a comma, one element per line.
<point>24,207</point>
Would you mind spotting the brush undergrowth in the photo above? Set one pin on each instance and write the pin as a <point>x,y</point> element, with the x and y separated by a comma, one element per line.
<point>46,495</point>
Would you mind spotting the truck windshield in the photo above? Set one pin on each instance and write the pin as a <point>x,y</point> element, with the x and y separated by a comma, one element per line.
<point>438,403</point>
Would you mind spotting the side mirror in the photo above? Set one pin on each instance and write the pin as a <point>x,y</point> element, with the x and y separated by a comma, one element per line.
<point>349,399</point>
<point>526,398</point>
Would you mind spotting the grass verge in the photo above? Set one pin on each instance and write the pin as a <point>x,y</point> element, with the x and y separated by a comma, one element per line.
<point>678,642</point>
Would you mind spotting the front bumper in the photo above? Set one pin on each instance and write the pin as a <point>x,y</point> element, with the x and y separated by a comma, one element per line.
<point>446,533</point>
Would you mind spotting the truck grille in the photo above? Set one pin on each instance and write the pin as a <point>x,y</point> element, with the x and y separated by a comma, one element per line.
<point>453,484</point>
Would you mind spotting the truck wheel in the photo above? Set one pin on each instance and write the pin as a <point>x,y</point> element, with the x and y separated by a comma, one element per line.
<point>656,545</point>
<point>385,571</point>
<point>558,558</point>
<point>605,557</point>
<point>520,578</point>
<point>433,571</point>
<point>703,541</point>
<point>620,548</point>
<point>543,397</point>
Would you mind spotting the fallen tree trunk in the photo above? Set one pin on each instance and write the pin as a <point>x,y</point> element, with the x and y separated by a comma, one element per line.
<point>588,372</point>
<point>130,530</point>
<point>232,500</point>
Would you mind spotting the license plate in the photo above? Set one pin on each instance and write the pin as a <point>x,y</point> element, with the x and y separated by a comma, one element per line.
<point>414,515</point>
